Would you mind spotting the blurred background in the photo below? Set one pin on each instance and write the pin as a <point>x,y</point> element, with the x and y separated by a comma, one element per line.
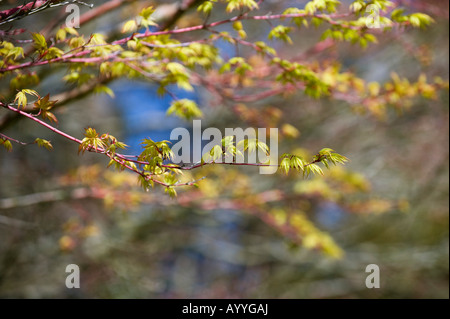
<point>59,208</point>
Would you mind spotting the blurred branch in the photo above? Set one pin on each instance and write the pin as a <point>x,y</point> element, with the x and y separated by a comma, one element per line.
<point>437,8</point>
<point>30,8</point>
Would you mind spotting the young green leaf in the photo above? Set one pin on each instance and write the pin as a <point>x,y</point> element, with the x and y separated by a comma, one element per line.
<point>44,143</point>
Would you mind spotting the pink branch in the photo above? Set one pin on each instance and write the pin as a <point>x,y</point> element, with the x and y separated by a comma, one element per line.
<point>41,122</point>
<point>22,10</point>
<point>119,158</point>
<point>33,63</point>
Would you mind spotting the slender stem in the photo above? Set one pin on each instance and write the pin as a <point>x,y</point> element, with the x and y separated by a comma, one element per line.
<point>12,139</point>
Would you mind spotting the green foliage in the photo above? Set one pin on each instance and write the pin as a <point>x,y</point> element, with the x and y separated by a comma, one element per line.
<point>229,148</point>
<point>359,6</point>
<point>239,64</point>
<point>180,59</point>
<point>91,141</point>
<point>171,191</point>
<point>420,20</point>
<point>321,5</point>
<point>39,42</point>
<point>44,143</point>
<point>76,42</point>
<point>252,145</point>
<point>166,60</point>
<point>130,26</point>
<point>8,50</point>
<point>78,77</point>
<point>103,89</point>
<point>265,49</point>
<point>179,75</point>
<point>22,81</point>
<point>311,236</point>
<point>61,34</point>
<point>144,20</point>
<point>160,150</point>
